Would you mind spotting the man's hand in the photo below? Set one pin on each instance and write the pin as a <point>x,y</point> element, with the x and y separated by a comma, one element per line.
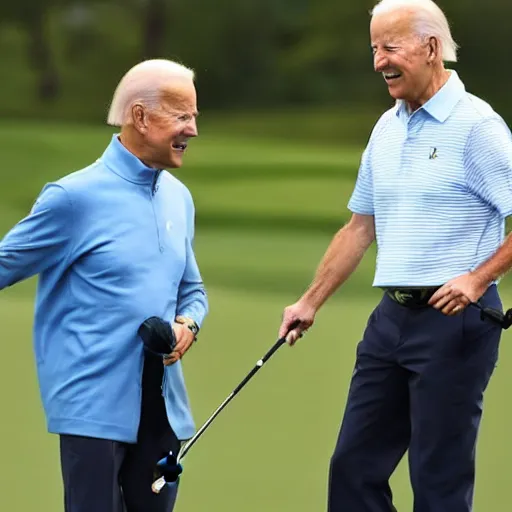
<point>454,296</point>
<point>184,340</point>
<point>298,311</point>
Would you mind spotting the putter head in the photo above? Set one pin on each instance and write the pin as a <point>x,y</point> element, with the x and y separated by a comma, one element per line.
<point>157,335</point>
<point>170,468</point>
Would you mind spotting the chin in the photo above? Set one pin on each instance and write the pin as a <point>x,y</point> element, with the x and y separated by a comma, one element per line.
<point>175,164</point>
<point>396,94</point>
<point>174,161</point>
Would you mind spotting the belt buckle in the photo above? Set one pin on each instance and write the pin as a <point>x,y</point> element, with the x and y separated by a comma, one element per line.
<point>411,298</point>
<point>402,297</point>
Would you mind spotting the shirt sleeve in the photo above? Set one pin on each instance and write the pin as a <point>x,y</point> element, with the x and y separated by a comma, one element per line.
<point>361,200</point>
<point>488,164</point>
<point>39,240</point>
<point>192,298</point>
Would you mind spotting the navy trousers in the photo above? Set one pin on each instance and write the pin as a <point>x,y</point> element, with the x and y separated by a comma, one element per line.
<point>418,385</point>
<point>101,475</point>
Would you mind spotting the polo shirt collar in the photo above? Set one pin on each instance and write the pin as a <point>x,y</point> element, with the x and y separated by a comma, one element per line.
<point>441,105</point>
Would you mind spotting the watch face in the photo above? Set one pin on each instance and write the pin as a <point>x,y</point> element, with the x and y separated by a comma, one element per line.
<point>189,323</point>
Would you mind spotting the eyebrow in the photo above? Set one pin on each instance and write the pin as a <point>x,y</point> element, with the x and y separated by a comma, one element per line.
<point>387,44</point>
<point>182,111</point>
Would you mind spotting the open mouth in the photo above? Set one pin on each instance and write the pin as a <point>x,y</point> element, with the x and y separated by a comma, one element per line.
<point>179,146</point>
<point>390,77</point>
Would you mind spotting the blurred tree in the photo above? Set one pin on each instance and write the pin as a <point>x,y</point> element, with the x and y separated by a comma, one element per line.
<point>324,63</point>
<point>78,30</point>
<point>247,53</point>
<point>155,20</point>
<point>32,17</point>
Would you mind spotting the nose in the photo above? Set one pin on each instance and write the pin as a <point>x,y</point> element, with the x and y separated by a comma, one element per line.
<point>380,61</point>
<point>191,129</point>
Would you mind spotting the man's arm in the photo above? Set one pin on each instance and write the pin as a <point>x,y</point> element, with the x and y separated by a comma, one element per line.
<point>192,305</point>
<point>192,300</point>
<point>342,257</point>
<point>458,293</point>
<point>489,168</point>
<point>496,266</point>
<point>488,163</point>
<point>39,240</point>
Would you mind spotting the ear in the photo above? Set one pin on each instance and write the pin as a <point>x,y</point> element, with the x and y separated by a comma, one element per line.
<point>434,49</point>
<point>139,118</point>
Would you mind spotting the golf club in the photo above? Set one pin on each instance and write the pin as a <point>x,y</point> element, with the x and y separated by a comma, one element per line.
<point>494,315</point>
<point>170,466</point>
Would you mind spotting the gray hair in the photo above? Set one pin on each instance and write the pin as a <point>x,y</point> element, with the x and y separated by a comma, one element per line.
<point>430,22</point>
<point>144,83</point>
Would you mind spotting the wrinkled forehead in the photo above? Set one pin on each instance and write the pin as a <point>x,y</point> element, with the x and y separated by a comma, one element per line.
<point>394,26</point>
<point>180,95</point>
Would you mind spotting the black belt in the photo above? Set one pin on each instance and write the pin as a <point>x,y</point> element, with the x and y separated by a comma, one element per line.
<point>411,297</point>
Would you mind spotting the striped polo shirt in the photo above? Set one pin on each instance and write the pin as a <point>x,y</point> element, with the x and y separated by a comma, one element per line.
<point>439,185</point>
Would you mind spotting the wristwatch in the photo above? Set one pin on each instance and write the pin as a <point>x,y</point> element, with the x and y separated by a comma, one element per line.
<point>189,323</point>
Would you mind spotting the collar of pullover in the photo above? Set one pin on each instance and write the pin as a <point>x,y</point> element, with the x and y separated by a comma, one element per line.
<point>126,165</point>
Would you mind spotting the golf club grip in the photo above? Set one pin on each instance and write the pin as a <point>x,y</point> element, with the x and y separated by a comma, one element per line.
<point>495,315</point>
<point>279,343</point>
<point>507,322</point>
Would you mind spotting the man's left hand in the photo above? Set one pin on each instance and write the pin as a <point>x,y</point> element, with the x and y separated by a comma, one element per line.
<point>184,340</point>
<point>454,296</point>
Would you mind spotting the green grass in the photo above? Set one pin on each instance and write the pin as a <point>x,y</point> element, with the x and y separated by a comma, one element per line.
<point>266,212</point>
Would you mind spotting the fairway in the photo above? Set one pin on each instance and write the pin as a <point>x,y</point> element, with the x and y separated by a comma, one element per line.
<point>266,210</point>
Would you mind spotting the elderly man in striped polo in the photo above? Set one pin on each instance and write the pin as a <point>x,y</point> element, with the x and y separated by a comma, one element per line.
<point>433,190</point>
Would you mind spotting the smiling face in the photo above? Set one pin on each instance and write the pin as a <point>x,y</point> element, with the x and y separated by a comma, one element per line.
<point>165,130</point>
<point>411,66</point>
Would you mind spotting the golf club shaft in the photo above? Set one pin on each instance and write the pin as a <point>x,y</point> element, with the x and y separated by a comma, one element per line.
<point>186,447</point>
<point>160,483</point>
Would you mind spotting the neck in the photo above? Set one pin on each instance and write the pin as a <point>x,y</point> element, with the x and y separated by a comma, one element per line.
<point>439,78</point>
<point>130,139</point>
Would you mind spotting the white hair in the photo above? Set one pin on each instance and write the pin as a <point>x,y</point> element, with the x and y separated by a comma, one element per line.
<point>430,22</point>
<point>144,83</point>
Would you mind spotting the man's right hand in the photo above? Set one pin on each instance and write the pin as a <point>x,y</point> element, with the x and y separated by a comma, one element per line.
<point>184,340</point>
<point>302,311</point>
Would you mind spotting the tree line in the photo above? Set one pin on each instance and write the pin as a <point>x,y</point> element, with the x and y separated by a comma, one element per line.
<point>247,53</point>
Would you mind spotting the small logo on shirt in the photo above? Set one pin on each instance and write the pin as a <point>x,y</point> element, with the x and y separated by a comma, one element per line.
<point>168,226</point>
<point>433,153</point>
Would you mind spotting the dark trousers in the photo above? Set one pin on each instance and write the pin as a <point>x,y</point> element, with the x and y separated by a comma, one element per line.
<point>108,476</point>
<point>417,385</point>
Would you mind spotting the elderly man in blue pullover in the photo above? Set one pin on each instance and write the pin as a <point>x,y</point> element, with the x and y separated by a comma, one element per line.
<point>112,245</point>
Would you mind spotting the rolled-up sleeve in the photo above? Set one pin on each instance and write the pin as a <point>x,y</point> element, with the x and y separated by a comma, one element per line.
<point>38,241</point>
<point>192,298</point>
<point>488,164</point>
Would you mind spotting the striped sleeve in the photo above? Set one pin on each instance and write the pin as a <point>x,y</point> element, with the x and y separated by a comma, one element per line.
<point>361,201</point>
<point>488,164</point>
